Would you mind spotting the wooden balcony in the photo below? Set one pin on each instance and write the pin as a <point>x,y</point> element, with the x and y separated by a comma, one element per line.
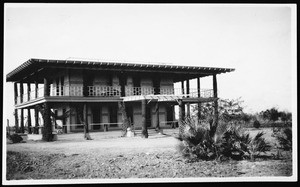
<point>102,92</point>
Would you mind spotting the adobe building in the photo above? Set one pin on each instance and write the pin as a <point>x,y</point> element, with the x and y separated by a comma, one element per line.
<point>101,88</point>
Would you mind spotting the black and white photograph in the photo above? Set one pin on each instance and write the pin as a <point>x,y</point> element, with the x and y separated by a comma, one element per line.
<point>98,93</point>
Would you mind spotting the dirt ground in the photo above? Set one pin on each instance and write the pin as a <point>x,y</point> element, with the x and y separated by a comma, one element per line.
<point>110,156</point>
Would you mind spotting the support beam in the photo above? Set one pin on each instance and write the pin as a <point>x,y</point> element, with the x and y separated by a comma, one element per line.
<point>157,128</point>
<point>29,121</point>
<point>47,130</point>
<point>216,113</point>
<point>199,95</point>
<point>144,124</point>
<point>46,87</point>
<point>122,81</point>
<point>16,92</point>
<point>36,89</point>
<point>36,119</point>
<point>28,91</point>
<point>85,123</point>
<point>22,121</point>
<point>182,87</point>
<point>16,120</point>
<point>188,108</point>
<point>181,117</point>
<point>21,92</point>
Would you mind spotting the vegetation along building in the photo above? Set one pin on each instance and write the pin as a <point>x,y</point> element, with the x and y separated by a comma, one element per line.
<point>94,95</point>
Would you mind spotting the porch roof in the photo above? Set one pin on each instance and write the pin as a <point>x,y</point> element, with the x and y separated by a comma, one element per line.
<point>32,66</point>
<point>166,98</point>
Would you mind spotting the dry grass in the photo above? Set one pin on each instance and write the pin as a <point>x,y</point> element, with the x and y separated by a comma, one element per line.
<point>110,156</point>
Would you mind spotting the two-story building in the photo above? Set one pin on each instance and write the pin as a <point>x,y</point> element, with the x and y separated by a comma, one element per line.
<point>147,90</point>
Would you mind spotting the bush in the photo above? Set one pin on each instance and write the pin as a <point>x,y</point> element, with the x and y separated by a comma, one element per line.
<point>15,138</point>
<point>284,137</point>
<point>229,142</point>
<point>256,124</point>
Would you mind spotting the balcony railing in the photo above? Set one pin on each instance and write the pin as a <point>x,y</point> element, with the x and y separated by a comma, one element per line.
<point>105,91</point>
<point>112,91</point>
<point>129,91</point>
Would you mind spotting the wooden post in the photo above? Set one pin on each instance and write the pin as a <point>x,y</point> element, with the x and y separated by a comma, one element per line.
<point>182,87</point>
<point>122,81</point>
<point>21,92</point>
<point>157,128</point>
<point>181,116</point>
<point>36,117</point>
<point>188,92</point>
<point>16,121</point>
<point>36,89</point>
<point>199,95</point>
<point>216,113</point>
<point>144,125</point>
<point>29,121</point>
<point>46,87</point>
<point>16,93</point>
<point>47,130</point>
<point>28,91</point>
<point>22,121</point>
<point>85,123</point>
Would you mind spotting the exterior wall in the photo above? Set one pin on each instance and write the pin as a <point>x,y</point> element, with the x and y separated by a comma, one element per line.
<point>162,115</point>
<point>166,83</point>
<point>100,80</point>
<point>146,82</point>
<point>137,115</point>
<point>104,114</point>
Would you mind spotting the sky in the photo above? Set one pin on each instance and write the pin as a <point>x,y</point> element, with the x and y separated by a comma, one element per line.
<point>259,41</point>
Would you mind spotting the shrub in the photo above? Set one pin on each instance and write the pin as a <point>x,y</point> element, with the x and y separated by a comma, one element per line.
<point>229,141</point>
<point>258,144</point>
<point>256,124</point>
<point>284,138</point>
<point>15,138</point>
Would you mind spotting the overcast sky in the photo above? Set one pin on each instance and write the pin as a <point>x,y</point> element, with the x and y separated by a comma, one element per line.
<point>258,41</point>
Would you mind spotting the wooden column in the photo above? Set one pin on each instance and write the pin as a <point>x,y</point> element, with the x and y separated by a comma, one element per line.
<point>36,89</point>
<point>28,91</point>
<point>144,125</point>
<point>21,92</point>
<point>47,130</point>
<point>16,92</point>
<point>157,128</point>
<point>36,119</point>
<point>216,113</point>
<point>199,95</point>
<point>16,110</point>
<point>85,122</point>
<point>46,87</point>
<point>188,92</point>
<point>182,87</point>
<point>181,116</point>
<point>16,120</point>
<point>122,81</point>
<point>22,121</point>
<point>29,121</point>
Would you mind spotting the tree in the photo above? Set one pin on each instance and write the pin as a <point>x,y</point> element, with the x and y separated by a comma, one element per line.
<point>286,116</point>
<point>81,111</point>
<point>270,114</point>
<point>229,111</point>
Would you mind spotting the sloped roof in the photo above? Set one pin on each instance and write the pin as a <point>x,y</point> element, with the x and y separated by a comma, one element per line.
<point>33,65</point>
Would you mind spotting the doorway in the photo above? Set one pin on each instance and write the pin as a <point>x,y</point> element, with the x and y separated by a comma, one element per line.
<point>96,111</point>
